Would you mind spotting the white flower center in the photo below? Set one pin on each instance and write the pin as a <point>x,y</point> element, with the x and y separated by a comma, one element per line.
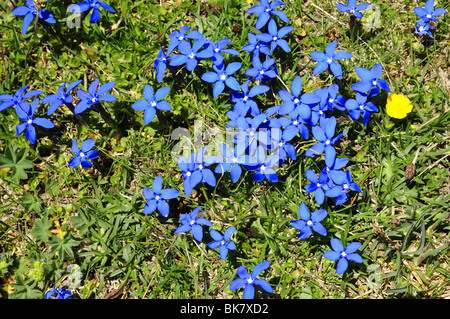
<point>153,103</point>
<point>192,222</point>
<point>420,28</point>
<point>261,72</point>
<point>429,16</point>
<point>200,166</point>
<point>217,50</point>
<point>94,99</point>
<point>361,106</point>
<point>330,100</point>
<point>281,144</point>
<point>192,55</point>
<point>222,242</point>
<point>223,77</point>
<point>188,174</point>
<point>263,167</point>
<point>250,280</point>
<point>318,185</point>
<point>245,98</point>
<point>328,142</point>
<point>329,60</point>
<point>296,100</point>
<point>30,121</point>
<point>235,159</point>
<point>343,254</point>
<point>295,122</point>
<point>374,82</point>
<point>81,154</point>
<point>345,186</point>
<point>181,38</point>
<point>309,223</point>
<point>157,197</point>
<point>275,38</point>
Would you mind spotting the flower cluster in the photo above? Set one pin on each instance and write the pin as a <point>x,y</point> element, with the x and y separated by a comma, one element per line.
<point>33,8</point>
<point>426,15</point>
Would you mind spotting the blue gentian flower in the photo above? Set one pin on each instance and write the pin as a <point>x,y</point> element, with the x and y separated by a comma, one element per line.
<point>249,133</point>
<point>93,5</point>
<point>93,96</point>
<point>191,176</point>
<point>370,83</point>
<point>344,185</point>
<point>223,242</point>
<point>359,106</point>
<point>296,101</point>
<point>243,99</point>
<point>58,293</point>
<point>157,197</point>
<point>26,114</point>
<point>265,9</point>
<point>30,11</point>
<point>328,60</point>
<point>280,144</point>
<point>333,166</point>
<point>222,76</point>
<point>179,36</point>
<point>84,154</point>
<point>61,96</point>
<point>191,222</point>
<point>324,134</point>
<point>428,12</point>
<point>352,8</point>
<point>18,98</point>
<point>232,161</point>
<point>423,28</point>
<point>275,36</point>
<point>202,162</point>
<point>308,222</point>
<point>250,280</point>
<point>329,99</point>
<point>318,185</point>
<point>151,102</point>
<point>296,125</point>
<point>343,255</point>
<point>160,65</point>
<point>256,46</point>
<point>266,167</point>
<point>190,55</point>
<point>218,48</point>
<point>262,71</point>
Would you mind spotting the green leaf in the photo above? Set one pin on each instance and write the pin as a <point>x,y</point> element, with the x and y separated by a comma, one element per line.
<point>40,231</point>
<point>17,162</point>
<point>62,246</point>
<point>24,290</point>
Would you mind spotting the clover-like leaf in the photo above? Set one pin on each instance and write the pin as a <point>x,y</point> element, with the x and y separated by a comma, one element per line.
<point>17,162</point>
<point>41,229</point>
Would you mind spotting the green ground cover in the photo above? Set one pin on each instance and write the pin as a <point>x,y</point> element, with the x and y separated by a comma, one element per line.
<point>84,229</point>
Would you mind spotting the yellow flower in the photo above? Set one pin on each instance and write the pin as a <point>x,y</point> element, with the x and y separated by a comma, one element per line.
<point>398,106</point>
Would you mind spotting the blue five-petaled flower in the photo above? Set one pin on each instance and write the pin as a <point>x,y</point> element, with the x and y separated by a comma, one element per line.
<point>250,280</point>
<point>84,154</point>
<point>61,293</point>
<point>328,60</point>
<point>93,5</point>
<point>222,76</point>
<point>61,96</point>
<point>151,102</point>
<point>265,9</point>
<point>428,12</point>
<point>191,222</point>
<point>352,8</point>
<point>343,255</point>
<point>223,242</point>
<point>157,197</point>
<point>18,98</point>
<point>309,221</point>
<point>93,96</point>
<point>26,114</point>
<point>30,11</point>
